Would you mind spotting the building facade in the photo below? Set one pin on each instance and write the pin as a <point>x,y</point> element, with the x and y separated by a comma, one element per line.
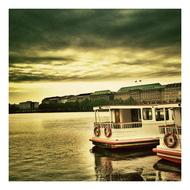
<point>28,105</point>
<point>151,96</point>
<point>82,97</point>
<point>141,94</point>
<point>50,100</point>
<point>151,93</point>
<point>103,94</point>
<point>59,99</point>
<point>172,93</point>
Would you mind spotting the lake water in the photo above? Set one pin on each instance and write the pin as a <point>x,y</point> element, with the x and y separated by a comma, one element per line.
<point>56,147</point>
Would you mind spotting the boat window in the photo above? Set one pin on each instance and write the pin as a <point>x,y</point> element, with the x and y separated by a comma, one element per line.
<point>135,115</point>
<point>103,116</point>
<point>172,115</point>
<point>177,116</point>
<point>147,113</point>
<point>117,116</point>
<point>167,113</point>
<point>128,116</point>
<point>159,114</point>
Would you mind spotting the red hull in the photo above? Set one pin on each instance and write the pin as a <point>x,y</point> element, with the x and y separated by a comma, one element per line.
<point>173,156</point>
<point>132,143</point>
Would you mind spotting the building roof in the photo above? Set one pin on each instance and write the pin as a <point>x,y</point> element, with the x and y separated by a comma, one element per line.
<point>172,85</point>
<point>102,92</point>
<point>58,97</point>
<point>67,96</point>
<point>53,97</point>
<point>27,102</point>
<point>141,87</point>
<point>84,94</point>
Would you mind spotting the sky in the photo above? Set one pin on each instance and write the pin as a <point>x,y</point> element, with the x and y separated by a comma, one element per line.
<point>57,52</point>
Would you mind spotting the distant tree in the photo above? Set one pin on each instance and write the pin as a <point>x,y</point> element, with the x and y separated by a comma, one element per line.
<point>130,101</point>
<point>85,105</point>
<point>13,108</point>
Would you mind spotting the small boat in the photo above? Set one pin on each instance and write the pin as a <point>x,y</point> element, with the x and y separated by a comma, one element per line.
<point>169,147</point>
<point>130,126</point>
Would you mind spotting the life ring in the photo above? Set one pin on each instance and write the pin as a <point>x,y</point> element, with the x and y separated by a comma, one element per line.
<point>108,131</point>
<point>170,140</point>
<point>97,131</point>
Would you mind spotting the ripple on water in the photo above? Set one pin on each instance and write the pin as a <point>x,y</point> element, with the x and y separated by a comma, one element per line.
<point>56,147</point>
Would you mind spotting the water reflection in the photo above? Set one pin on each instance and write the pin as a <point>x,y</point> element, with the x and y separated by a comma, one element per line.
<point>110,164</point>
<point>168,171</point>
<point>131,165</point>
<point>164,165</point>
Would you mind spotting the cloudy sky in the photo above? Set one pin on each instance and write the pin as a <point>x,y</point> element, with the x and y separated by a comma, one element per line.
<point>60,52</point>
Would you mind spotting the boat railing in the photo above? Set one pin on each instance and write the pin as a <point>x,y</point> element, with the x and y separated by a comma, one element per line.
<point>118,125</point>
<point>164,129</point>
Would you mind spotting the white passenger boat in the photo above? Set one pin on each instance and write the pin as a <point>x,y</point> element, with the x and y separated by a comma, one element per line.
<point>169,147</point>
<point>129,126</point>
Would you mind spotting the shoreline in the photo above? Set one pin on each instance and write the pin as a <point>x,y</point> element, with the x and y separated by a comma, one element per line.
<point>47,112</point>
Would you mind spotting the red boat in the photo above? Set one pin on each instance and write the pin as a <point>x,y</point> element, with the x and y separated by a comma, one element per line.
<point>169,147</point>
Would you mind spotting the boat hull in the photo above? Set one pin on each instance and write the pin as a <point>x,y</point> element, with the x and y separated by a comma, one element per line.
<point>170,155</point>
<point>130,143</point>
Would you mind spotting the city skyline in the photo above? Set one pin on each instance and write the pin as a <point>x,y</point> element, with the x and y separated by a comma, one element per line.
<point>137,83</point>
<point>60,52</point>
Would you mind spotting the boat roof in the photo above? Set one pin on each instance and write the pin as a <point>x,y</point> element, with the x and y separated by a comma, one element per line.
<point>112,107</point>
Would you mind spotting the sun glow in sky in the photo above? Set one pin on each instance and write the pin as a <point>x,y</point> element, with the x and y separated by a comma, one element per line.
<point>62,52</point>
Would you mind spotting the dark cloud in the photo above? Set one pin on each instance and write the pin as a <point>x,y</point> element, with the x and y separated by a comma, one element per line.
<point>154,30</point>
<point>37,59</point>
<point>49,29</point>
<point>20,75</point>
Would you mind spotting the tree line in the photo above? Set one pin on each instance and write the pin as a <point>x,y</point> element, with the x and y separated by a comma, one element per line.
<point>77,106</point>
<point>82,106</point>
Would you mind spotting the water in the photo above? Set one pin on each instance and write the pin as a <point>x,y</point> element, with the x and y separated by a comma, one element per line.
<point>56,147</point>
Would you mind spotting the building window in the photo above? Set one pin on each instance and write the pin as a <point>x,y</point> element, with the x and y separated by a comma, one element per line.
<point>147,113</point>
